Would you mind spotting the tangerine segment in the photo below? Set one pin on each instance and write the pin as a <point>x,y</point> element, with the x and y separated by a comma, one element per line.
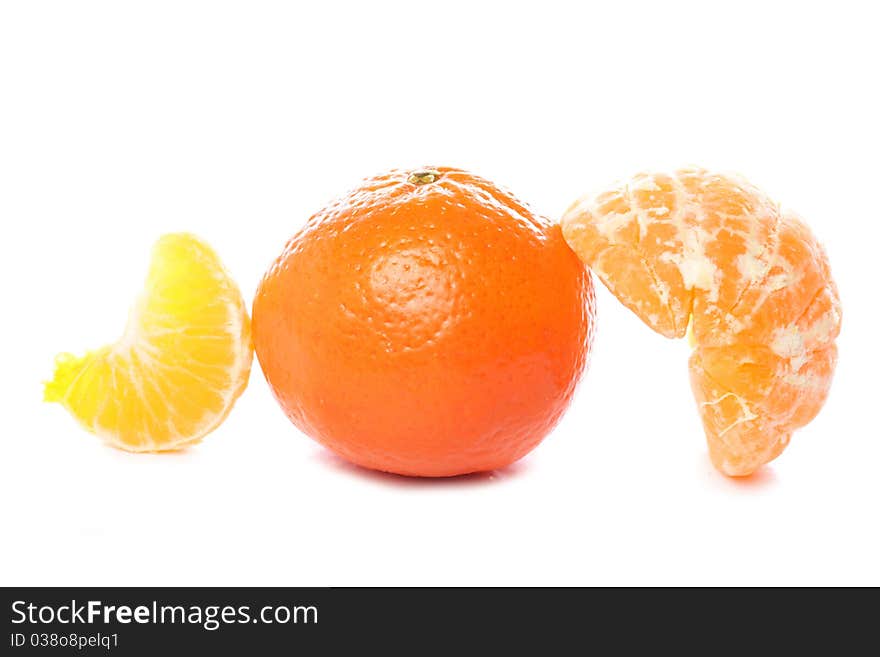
<point>182,362</point>
<point>426,324</point>
<point>709,251</point>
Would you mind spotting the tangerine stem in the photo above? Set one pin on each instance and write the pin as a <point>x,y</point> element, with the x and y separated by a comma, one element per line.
<point>423,176</point>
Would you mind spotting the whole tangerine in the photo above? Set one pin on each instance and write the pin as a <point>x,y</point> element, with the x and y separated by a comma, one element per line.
<point>425,324</point>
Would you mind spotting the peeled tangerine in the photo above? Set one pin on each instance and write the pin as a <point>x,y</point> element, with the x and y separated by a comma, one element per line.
<point>182,362</point>
<point>710,251</point>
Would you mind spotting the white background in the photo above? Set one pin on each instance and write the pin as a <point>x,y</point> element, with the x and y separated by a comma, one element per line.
<point>120,121</point>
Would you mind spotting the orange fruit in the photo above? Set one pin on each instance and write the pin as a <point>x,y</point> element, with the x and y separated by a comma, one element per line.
<point>427,323</point>
<point>177,370</point>
<point>710,251</point>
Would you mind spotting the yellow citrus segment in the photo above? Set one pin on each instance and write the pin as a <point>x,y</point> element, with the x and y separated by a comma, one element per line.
<point>709,255</point>
<point>183,360</point>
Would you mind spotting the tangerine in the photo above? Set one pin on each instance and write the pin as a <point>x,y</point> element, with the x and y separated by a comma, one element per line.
<point>181,364</point>
<point>427,324</point>
<point>699,249</point>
